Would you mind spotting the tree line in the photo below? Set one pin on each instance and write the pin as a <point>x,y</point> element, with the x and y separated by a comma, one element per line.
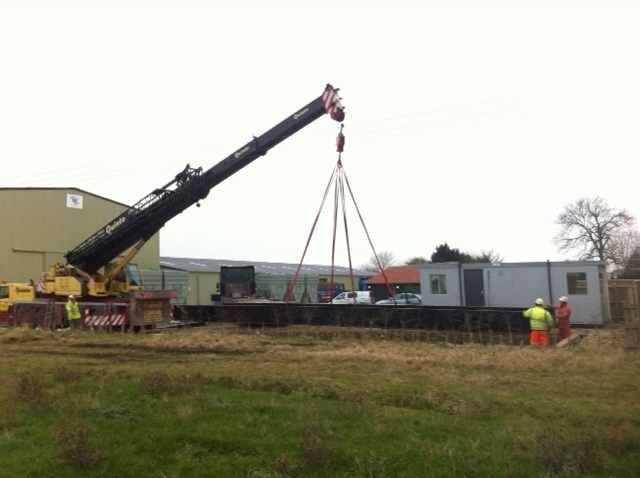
<point>589,229</point>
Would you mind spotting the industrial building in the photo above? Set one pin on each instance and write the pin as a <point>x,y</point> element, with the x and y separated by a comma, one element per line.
<point>204,276</point>
<point>40,225</point>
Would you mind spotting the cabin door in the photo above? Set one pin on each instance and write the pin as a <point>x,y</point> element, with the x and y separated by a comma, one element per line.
<point>473,288</point>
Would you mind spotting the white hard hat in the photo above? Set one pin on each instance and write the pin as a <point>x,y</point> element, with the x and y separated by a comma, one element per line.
<point>563,299</point>
<point>539,301</point>
<point>71,297</point>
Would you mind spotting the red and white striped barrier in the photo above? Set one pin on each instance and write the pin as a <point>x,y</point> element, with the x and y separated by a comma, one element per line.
<point>102,320</point>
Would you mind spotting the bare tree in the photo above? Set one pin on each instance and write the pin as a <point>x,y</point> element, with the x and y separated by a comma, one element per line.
<point>624,247</point>
<point>416,260</point>
<point>590,227</point>
<point>379,261</point>
<point>631,269</point>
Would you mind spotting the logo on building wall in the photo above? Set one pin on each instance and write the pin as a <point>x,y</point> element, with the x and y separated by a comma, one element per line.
<point>74,201</point>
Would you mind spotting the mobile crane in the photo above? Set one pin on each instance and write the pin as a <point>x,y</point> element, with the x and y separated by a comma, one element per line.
<point>111,291</point>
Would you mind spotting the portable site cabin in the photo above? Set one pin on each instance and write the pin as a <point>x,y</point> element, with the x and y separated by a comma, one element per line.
<point>517,285</point>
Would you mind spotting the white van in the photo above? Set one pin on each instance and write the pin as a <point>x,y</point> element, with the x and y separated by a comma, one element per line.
<point>354,297</point>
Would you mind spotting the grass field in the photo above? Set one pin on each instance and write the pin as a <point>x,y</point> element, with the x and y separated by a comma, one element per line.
<point>221,401</point>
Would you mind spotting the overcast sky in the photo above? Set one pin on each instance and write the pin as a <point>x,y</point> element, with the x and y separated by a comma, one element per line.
<point>471,123</point>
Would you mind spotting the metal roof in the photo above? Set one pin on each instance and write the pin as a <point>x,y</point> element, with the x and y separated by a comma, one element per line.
<point>274,268</point>
<point>397,275</point>
<point>70,188</point>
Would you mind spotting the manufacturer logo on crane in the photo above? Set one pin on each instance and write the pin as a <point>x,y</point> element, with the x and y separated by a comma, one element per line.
<point>118,222</point>
<point>241,152</point>
<point>300,113</point>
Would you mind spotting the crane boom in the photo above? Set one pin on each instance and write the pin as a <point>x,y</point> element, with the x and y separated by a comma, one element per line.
<point>141,221</point>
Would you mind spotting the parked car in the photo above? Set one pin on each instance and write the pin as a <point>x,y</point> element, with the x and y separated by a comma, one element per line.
<point>404,298</point>
<point>354,297</point>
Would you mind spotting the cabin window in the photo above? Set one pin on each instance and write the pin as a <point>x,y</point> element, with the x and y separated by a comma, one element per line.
<point>438,283</point>
<point>577,283</point>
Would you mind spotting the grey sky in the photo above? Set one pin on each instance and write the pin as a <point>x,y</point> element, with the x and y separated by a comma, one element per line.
<point>471,123</point>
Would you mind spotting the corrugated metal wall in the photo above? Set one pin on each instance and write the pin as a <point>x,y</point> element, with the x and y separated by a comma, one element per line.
<point>201,286</point>
<point>166,279</point>
<point>276,287</point>
<point>40,225</point>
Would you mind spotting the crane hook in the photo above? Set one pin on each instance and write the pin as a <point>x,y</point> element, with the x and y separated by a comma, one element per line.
<point>340,140</point>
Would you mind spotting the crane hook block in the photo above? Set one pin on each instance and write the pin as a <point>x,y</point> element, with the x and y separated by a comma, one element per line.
<point>340,141</point>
